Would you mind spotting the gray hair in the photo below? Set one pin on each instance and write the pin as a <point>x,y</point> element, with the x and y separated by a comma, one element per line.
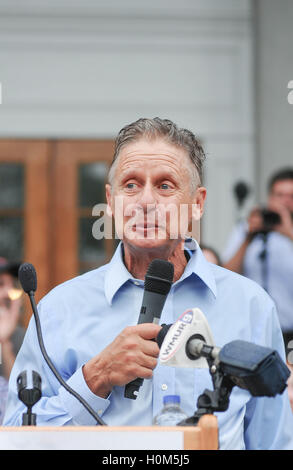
<point>156,127</point>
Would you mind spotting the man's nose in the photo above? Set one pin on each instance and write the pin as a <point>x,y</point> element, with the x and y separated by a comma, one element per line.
<point>147,196</point>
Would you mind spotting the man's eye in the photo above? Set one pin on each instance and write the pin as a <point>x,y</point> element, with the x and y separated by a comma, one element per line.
<point>130,185</point>
<point>164,186</point>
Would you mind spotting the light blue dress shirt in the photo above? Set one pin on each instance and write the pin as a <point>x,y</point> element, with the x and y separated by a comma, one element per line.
<point>82,316</point>
<point>3,396</point>
<point>279,268</point>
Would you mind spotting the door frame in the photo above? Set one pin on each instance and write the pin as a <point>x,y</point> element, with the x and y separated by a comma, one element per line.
<point>67,156</point>
<point>34,155</point>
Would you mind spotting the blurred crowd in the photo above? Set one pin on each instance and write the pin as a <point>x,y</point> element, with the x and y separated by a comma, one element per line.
<point>259,247</point>
<point>11,331</point>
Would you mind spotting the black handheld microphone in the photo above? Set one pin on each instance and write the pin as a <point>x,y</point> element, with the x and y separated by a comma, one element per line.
<point>28,279</point>
<point>157,284</point>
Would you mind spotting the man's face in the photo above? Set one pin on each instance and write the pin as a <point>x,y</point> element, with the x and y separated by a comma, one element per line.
<point>282,194</point>
<point>153,180</point>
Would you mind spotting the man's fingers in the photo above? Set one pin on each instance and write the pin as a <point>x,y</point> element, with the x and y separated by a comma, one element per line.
<point>142,337</point>
<point>145,373</point>
<point>147,361</point>
<point>150,348</point>
<point>132,354</point>
<point>148,330</point>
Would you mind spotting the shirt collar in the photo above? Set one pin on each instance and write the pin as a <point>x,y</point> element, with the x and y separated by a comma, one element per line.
<point>117,273</point>
<point>198,266</point>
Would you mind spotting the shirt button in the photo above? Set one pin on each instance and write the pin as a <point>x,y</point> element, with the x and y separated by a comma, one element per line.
<point>100,412</point>
<point>164,387</point>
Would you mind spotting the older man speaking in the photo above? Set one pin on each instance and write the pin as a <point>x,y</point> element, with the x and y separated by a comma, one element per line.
<point>90,322</point>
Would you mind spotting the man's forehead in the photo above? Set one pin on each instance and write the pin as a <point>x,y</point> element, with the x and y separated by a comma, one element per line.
<point>146,150</point>
<point>283,186</point>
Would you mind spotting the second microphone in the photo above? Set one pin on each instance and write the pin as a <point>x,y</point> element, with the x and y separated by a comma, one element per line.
<point>157,285</point>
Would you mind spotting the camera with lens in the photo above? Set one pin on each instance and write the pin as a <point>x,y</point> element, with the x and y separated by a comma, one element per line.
<point>270,220</point>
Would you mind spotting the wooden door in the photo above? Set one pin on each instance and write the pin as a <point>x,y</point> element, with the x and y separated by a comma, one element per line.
<point>80,172</point>
<point>47,193</point>
<point>24,206</point>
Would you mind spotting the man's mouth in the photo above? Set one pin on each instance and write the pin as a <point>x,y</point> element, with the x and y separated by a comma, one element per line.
<point>146,226</point>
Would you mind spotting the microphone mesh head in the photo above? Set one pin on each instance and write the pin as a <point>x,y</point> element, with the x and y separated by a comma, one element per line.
<point>159,276</point>
<point>27,277</point>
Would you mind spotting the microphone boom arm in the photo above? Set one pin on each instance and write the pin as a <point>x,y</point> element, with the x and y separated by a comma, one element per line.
<point>217,399</point>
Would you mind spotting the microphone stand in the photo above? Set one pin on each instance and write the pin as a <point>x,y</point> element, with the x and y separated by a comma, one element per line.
<point>211,400</point>
<point>29,396</point>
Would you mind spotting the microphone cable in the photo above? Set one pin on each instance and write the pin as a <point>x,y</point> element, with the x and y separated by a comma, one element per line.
<point>28,280</point>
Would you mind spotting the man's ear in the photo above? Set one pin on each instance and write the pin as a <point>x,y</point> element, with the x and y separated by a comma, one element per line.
<point>199,199</point>
<point>109,199</point>
<point>197,209</point>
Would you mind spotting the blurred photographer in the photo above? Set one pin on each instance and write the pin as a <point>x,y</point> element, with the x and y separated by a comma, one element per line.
<point>261,248</point>
<point>11,331</point>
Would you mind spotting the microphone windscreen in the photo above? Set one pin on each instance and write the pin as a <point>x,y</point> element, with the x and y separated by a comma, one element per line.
<point>159,276</point>
<point>27,277</point>
<point>162,333</point>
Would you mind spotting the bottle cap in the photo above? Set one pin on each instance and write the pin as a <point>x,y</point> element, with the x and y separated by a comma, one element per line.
<point>171,399</point>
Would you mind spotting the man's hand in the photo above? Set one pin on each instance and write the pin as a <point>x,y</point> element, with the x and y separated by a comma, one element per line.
<point>255,225</point>
<point>132,354</point>
<point>255,222</point>
<point>286,225</point>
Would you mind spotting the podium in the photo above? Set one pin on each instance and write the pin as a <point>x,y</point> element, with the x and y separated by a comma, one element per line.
<point>204,436</point>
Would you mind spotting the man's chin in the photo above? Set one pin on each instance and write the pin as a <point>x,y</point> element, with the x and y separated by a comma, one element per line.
<point>143,241</point>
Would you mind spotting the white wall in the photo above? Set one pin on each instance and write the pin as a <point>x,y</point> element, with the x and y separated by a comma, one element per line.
<point>274,69</point>
<point>85,68</point>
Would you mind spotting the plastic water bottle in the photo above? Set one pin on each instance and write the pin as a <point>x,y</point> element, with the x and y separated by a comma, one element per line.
<point>171,413</point>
